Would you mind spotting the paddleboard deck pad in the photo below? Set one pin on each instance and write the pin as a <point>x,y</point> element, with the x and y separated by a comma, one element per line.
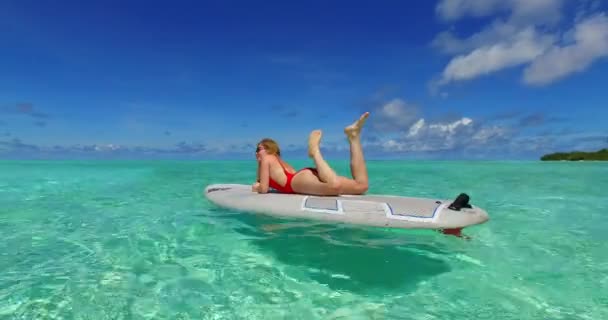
<point>370,210</point>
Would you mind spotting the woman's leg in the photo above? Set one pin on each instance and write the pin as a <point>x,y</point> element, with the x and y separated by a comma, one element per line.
<point>359,184</point>
<point>327,182</point>
<point>323,182</point>
<point>326,173</point>
<point>307,182</point>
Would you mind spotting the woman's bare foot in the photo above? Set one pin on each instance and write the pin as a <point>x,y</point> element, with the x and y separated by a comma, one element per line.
<point>313,143</point>
<point>354,129</point>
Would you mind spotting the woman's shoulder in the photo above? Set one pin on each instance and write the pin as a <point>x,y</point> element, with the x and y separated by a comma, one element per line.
<point>278,161</point>
<point>271,159</point>
<point>285,164</point>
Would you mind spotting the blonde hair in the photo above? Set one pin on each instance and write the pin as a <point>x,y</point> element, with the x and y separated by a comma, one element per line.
<point>271,146</point>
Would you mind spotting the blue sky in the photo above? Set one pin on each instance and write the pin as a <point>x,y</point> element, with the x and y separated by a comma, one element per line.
<point>467,79</point>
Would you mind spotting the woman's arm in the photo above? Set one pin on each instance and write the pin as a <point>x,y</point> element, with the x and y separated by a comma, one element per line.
<point>257,175</point>
<point>263,175</point>
<point>256,185</point>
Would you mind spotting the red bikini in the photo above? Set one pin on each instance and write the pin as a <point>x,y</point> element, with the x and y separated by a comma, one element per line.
<point>287,187</point>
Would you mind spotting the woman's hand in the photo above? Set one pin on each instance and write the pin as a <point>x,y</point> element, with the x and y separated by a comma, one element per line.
<point>255,187</point>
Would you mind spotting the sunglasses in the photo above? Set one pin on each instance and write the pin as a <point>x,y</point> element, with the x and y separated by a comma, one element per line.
<point>258,149</point>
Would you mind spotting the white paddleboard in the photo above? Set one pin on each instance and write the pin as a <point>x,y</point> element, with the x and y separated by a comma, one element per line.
<point>369,210</point>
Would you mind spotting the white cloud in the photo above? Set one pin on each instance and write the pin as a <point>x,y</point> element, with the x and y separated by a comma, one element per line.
<point>415,128</point>
<point>399,128</point>
<point>527,36</point>
<point>523,47</point>
<point>456,9</point>
<point>521,11</point>
<point>392,145</point>
<point>106,147</point>
<point>487,134</point>
<point>468,138</point>
<point>450,128</point>
<point>423,136</point>
<point>590,43</point>
<point>448,42</point>
<point>536,11</point>
<point>394,116</point>
<point>444,130</point>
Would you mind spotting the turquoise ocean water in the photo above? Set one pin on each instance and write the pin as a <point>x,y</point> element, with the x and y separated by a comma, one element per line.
<point>138,240</point>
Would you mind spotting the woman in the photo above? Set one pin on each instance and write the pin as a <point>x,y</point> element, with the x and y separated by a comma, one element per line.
<point>321,180</point>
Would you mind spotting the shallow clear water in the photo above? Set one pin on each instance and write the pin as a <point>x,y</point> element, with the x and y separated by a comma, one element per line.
<point>138,240</point>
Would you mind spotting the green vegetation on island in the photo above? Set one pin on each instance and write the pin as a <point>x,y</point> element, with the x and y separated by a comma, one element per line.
<point>577,156</point>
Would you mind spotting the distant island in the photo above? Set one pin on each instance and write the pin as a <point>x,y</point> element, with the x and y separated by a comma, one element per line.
<point>577,156</point>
